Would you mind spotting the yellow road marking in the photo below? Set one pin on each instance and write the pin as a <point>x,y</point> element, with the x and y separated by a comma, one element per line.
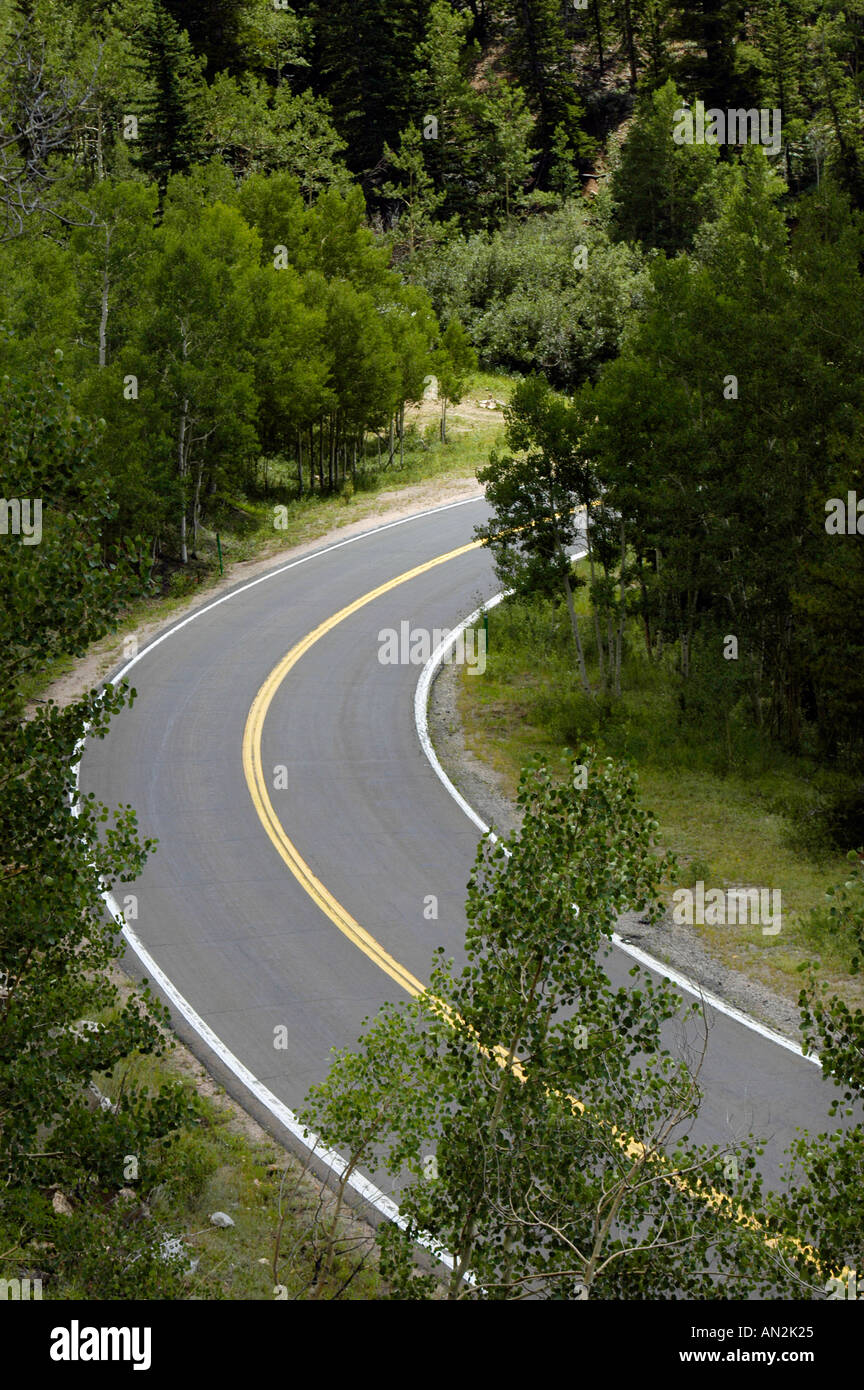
<point>258,790</point>
<point>348,925</point>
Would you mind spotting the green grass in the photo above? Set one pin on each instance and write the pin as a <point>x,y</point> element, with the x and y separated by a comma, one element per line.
<point>735,822</point>
<point>492,385</point>
<point>217,1167</point>
<point>212,1163</point>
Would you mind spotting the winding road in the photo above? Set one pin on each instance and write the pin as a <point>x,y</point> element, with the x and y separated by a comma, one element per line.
<point>298,843</point>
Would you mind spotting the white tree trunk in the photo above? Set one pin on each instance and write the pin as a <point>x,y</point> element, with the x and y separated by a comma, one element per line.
<point>577,636</point>
<point>103,319</point>
<point>196,509</point>
<point>595,614</point>
<point>181,468</point>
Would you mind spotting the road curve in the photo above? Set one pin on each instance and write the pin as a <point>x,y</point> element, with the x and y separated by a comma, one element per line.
<point>217,907</point>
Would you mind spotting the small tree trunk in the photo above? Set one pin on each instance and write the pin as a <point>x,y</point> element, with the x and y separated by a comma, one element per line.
<point>196,510</point>
<point>619,640</point>
<point>465,1246</point>
<point>100,165</point>
<point>594,613</point>
<point>181,469</point>
<point>598,29</point>
<point>332,1233</point>
<point>577,636</point>
<point>103,319</point>
<point>631,43</point>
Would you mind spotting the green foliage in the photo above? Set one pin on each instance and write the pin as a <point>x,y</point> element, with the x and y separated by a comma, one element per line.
<point>823,1196</point>
<point>551,294</point>
<point>245,319</point>
<point>662,191</point>
<point>55,594</point>
<point>253,127</point>
<point>62,1022</point>
<point>196,315</point>
<point>719,548</point>
<point>841,920</point>
<point>526,1105</point>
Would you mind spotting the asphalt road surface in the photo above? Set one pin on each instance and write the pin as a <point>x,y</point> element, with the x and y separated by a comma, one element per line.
<point>219,909</point>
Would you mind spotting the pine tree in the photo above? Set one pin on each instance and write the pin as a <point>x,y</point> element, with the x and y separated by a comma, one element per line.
<point>363,62</point>
<point>712,25</point>
<point>413,192</point>
<point>169,113</point>
<point>450,110</point>
<point>779,31</point>
<point>838,87</point>
<point>214,30</point>
<point>508,128</point>
<point>652,18</point>
<point>662,190</point>
<point>541,51</point>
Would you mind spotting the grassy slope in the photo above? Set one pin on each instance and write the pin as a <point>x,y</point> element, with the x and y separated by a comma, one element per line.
<point>727,827</point>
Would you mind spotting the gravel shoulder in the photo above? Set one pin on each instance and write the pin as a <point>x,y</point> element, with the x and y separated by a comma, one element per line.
<point>677,946</point>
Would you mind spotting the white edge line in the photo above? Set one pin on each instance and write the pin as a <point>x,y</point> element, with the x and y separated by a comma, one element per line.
<point>421,723</point>
<point>334,1161</point>
<point>282,569</point>
<point>360,1184</point>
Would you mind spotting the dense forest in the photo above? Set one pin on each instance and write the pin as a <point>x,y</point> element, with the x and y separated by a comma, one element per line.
<point>256,236</point>
<point>243,236</point>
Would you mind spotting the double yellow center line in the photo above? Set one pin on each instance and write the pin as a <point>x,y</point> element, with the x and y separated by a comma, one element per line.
<point>256,779</point>
<point>340,917</point>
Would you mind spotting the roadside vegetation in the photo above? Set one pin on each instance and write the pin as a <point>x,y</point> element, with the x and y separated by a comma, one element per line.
<point>144,1231</point>
<point>237,243</point>
<point>760,820</point>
